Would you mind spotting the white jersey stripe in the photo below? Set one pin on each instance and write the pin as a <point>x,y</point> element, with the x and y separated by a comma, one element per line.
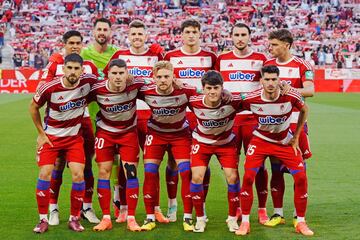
<point>271,109</point>
<point>213,141</point>
<point>66,96</point>
<point>104,126</point>
<point>240,65</point>
<point>63,132</point>
<point>70,114</point>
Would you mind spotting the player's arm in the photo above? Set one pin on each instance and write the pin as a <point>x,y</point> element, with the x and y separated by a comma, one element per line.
<point>42,138</point>
<point>308,89</point>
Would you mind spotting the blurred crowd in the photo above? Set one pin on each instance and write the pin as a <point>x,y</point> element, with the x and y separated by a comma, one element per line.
<point>327,33</point>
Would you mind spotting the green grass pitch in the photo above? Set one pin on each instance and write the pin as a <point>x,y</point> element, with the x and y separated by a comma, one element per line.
<point>334,180</point>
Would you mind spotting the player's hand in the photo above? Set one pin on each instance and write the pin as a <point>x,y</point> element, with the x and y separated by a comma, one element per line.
<point>130,80</point>
<point>156,48</point>
<point>43,139</point>
<point>294,143</point>
<point>284,87</point>
<point>226,96</point>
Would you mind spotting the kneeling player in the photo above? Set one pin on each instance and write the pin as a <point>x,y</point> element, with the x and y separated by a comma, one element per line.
<point>116,134</point>
<point>213,135</point>
<point>273,138</point>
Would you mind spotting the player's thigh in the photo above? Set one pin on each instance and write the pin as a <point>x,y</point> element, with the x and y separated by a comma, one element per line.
<point>74,152</point>
<point>155,147</point>
<point>286,154</point>
<point>200,154</point>
<point>227,155</point>
<point>231,175</point>
<point>47,155</point>
<point>256,154</point>
<point>128,146</point>
<point>247,134</point>
<point>105,147</point>
<point>181,146</point>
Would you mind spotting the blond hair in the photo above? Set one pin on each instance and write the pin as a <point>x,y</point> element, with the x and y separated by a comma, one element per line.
<point>162,65</point>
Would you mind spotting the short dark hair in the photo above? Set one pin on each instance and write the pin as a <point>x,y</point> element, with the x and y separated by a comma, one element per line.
<point>283,35</point>
<point>74,57</point>
<point>240,25</point>
<point>270,69</point>
<point>71,33</point>
<point>104,20</point>
<point>137,24</point>
<point>212,77</point>
<point>190,23</point>
<point>118,63</point>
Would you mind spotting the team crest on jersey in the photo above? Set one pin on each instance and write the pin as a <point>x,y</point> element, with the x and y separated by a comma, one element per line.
<point>149,60</point>
<point>202,61</point>
<point>290,71</point>
<point>282,107</point>
<point>72,105</point>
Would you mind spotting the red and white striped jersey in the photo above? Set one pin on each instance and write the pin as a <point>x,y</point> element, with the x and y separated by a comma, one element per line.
<point>241,73</point>
<point>294,72</point>
<point>55,69</point>
<point>117,112</point>
<point>167,111</point>
<point>274,117</point>
<point>65,106</point>
<point>191,67</point>
<point>214,125</point>
<point>139,65</point>
<point>56,63</point>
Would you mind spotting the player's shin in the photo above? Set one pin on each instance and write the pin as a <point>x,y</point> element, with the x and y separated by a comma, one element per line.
<point>104,195</point>
<point>277,185</point>
<point>42,197</point>
<point>246,192</point>
<point>185,173</point>
<point>132,188</point>
<point>77,196</point>
<point>300,195</point>
<point>197,194</point>
<point>89,186</point>
<point>150,186</point>
<point>261,181</point>
<point>233,198</point>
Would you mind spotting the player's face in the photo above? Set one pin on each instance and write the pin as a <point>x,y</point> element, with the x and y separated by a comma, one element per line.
<point>277,47</point>
<point>73,45</point>
<point>118,76</point>
<point>213,92</point>
<point>102,33</point>
<point>72,72</point>
<point>137,37</point>
<point>164,79</point>
<point>240,38</point>
<point>191,36</point>
<point>270,82</point>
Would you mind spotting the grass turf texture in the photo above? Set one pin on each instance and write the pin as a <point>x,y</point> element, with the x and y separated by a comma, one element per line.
<point>333,210</point>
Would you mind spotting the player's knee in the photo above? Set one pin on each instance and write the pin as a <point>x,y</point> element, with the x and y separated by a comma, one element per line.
<point>104,173</point>
<point>249,178</point>
<point>197,178</point>
<point>300,178</point>
<point>131,172</point>
<point>77,176</point>
<point>45,174</point>
<point>233,178</point>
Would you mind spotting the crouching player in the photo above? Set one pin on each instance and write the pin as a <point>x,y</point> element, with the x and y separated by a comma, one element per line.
<point>116,134</point>
<point>273,138</point>
<point>213,136</point>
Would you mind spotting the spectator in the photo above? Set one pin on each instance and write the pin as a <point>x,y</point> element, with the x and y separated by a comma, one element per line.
<point>18,61</point>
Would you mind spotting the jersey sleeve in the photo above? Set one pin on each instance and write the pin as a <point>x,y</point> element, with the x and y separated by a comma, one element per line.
<point>49,71</point>
<point>306,71</point>
<point>42,95</point>
<point>296,99</point>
